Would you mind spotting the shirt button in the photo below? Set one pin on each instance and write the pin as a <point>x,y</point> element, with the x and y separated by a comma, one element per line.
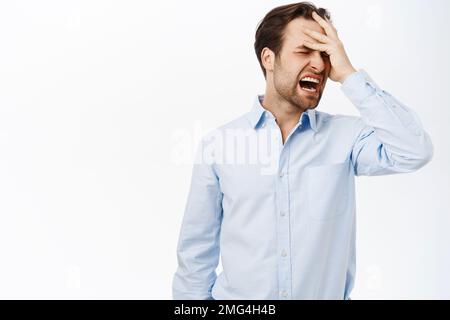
<point>283,253</point>
<point>284,294</point>
<point>283,213</point>
<point>282,173</point>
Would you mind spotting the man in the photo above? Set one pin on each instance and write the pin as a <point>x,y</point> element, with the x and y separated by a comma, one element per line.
<point>285,224</point>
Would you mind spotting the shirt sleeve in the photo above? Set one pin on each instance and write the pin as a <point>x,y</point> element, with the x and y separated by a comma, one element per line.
<point>389,137</point>
<point>198,244</point>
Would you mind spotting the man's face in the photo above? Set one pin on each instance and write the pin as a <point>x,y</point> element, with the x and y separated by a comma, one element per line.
<point>295,62</point>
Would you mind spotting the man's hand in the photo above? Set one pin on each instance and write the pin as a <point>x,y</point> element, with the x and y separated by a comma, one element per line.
<point>341,67</point>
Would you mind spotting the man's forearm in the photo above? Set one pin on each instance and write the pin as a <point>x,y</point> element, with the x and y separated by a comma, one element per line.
<point>397,126</point>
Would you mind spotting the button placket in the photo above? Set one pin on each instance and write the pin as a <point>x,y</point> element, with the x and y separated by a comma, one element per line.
<point>283,228</point>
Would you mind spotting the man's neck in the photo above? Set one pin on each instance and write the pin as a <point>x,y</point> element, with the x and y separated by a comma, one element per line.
<point>286,114</point>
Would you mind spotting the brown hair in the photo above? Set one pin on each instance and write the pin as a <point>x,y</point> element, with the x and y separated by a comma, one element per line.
<point>270,30</point>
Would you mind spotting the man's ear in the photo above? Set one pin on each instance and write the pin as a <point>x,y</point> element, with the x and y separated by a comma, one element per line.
<point>268,59</point>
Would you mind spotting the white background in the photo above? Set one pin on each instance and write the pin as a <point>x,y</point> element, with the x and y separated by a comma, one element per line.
<point>92,94</point>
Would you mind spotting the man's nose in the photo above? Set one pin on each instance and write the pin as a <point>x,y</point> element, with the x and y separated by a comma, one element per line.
<point>317,61</point>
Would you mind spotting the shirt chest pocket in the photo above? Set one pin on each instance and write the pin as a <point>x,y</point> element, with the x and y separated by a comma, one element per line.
<point>327,190</point>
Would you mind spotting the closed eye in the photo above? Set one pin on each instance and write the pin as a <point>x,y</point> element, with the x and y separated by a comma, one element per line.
<point>323,53</point>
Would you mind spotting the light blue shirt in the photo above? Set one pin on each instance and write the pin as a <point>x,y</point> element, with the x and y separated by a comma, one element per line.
<point>282,217</point>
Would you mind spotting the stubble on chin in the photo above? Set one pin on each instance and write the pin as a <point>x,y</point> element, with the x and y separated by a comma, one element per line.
<point>303,103</point>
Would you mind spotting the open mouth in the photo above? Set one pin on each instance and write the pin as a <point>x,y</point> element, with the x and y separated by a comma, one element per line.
<point>309,84</point>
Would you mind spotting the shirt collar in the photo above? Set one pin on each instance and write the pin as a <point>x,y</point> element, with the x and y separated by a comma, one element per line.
<point>258,111</point>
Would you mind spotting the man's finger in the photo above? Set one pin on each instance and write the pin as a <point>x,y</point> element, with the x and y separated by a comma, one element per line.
<point>316,46</point>
<point>329,29</point>
<point>317,35</point>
